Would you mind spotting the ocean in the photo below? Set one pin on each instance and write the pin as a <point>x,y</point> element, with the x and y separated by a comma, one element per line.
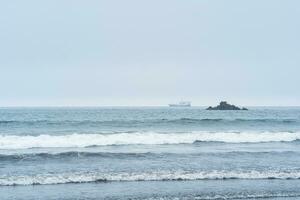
<point>149,153</point>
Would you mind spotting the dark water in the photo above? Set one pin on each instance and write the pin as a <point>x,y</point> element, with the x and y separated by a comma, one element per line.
<point>149,153</point>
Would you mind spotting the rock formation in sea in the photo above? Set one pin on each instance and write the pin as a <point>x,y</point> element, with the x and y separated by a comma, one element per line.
<point>225,106</point>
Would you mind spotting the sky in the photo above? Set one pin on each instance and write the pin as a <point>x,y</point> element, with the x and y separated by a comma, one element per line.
<point>133,52</point>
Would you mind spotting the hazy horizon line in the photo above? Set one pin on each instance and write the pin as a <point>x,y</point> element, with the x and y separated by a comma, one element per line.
<point>101,106</point>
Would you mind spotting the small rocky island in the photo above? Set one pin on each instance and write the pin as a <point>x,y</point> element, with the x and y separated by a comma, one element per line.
<point>225,106</point>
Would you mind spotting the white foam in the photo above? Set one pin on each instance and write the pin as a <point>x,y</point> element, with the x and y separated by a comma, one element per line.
<point>85,140</point>
<point>89,177</point>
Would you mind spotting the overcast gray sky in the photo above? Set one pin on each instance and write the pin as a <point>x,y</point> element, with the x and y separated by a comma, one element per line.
<point>133,52</point>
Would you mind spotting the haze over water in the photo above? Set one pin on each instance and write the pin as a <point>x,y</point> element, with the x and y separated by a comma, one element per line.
<point>137,53</point>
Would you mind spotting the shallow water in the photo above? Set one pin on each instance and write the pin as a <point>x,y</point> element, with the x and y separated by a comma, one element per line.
<point>149,153</point>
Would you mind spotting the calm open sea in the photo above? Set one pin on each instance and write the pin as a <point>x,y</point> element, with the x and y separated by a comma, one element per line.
<point>149,153</point>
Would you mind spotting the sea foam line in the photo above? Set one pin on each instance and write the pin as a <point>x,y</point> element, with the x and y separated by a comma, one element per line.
<point>147,138</point>
<point>93,177</point>
<point>229,196</point>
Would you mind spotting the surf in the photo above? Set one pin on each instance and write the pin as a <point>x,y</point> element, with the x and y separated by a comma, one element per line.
<point>103,177</point>
<point>140,138</point>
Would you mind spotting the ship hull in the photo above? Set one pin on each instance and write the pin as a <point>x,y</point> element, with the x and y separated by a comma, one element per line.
<point>179,106</point>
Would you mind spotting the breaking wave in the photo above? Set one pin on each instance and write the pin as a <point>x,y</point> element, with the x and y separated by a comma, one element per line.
<point>229,196</point>
<point>97,177</point>
<point>147,138</point>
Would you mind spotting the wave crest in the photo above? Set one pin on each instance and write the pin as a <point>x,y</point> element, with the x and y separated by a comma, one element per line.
<point>148,138</point>
<point>94,177</point>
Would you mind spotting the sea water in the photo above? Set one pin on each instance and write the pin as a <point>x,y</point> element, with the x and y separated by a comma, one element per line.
<point>149,153</point>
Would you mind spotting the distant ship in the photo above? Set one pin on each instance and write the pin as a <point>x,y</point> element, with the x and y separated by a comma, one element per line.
<point>181,104</point>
